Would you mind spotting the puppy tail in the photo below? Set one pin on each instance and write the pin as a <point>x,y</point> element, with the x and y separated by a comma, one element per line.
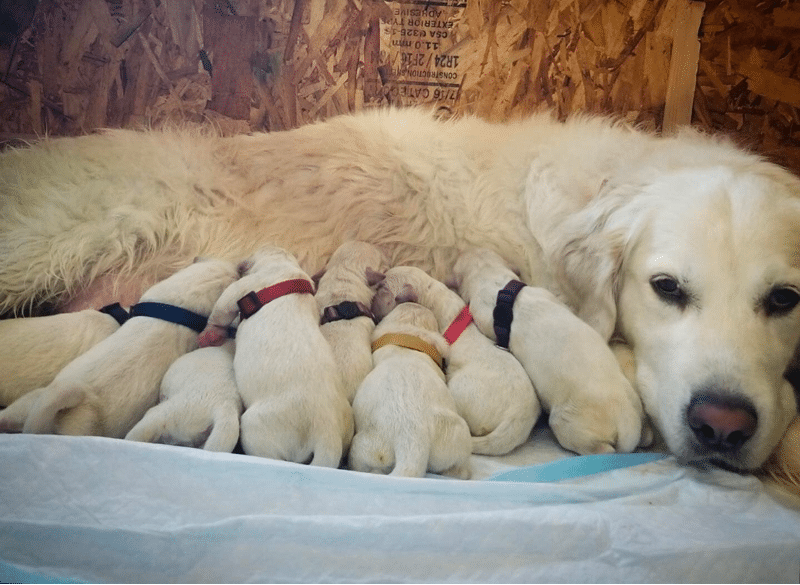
<point>509,434</point>
<point>225,432</point>
<point>411,456</point>
<point>151,427</point>
<point>328,451</point>
<point>43,414</point>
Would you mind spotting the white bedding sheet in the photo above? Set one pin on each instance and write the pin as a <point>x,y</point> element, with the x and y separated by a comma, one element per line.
<point>102,510</point>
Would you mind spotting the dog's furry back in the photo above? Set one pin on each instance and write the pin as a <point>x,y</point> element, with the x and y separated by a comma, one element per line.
<point>141,204</point>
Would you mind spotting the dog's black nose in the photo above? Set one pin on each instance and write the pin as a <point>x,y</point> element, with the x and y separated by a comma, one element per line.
<point>722,423</point>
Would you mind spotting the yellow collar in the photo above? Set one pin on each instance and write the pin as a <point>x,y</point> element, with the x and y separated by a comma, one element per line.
<point>409,342</point>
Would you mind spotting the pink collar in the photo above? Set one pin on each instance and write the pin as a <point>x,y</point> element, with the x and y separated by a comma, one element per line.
<point>456,328</point>
<point>253,301</point>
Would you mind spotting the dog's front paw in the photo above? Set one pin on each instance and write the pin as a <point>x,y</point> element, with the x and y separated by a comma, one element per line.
<point>608,427</point>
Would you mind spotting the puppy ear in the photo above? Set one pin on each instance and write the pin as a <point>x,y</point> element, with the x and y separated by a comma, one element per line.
<point>317,277</point>
<point>408,294</point>
<point>245,266</point>
<point>374,277</point>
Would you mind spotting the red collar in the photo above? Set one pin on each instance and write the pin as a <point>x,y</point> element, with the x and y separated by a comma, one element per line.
<point>456,328</point>
<point>253,301</point>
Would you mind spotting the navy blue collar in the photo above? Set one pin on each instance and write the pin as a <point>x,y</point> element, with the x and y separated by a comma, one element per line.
<point>170,313</point>
<point>116,311</point>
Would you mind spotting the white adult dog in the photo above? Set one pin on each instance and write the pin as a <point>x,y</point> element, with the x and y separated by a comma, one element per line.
<point>107,390</point>
<point>572,367</point>
<point>492,391</point>
<point>406,419</point>
<point>685,245</point>
<point>199,405</point>
<point>344,295</point>
<point>295,409</point>
<point>35,349</point>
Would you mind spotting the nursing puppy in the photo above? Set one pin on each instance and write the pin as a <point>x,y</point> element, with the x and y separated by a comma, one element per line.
<point>492,391</point>
<point>572,368</point>
<point>199,403</point>
<point>107,390</point>
<point>35,349</point>
<point>406,420</point>
<point>344,294</point>
<point>295,409</point>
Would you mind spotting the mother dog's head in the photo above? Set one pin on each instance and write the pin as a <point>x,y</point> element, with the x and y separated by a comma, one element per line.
<point>698,269</point>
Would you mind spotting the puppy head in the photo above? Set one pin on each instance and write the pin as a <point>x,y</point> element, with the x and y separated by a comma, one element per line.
<point>351,274</point>
<point>477,269</point>
<point>360,256</point>
<point>401,284</point>
<point>196,287</point>
<point>413,319</point>
<point>276,262</point>
<point>709,300</point>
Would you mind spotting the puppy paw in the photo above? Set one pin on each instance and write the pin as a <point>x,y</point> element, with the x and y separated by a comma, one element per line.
<point>212,335</point>
<point>12,418</point>
<point>8,425</point>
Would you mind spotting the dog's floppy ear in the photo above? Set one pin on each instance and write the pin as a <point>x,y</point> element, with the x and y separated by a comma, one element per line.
<point>407,294</point>
<point>588,253</point>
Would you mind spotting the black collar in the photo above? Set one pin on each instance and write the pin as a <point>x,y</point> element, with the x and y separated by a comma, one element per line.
<point>345,310</point>
<point>504,311</point>
<point>171,314</point>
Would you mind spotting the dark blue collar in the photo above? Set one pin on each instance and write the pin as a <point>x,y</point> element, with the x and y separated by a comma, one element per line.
<point>170,313</point>
<point>116,311</point>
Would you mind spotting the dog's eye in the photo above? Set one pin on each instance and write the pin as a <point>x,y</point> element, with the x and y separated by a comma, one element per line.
<point>781,300</point>
<point>668,289</point>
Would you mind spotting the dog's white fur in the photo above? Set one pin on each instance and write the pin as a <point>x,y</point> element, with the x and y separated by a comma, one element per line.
<point>107,390</point>
<point>492,391</point>
<point>569,204</point>
<point>592,406</point>
<point>199,405</point>
<point>350,275</point>
<point>295,409</point>
<point>406,419</point>
<point>35,349</point>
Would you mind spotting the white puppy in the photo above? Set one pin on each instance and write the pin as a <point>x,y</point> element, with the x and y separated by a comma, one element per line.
<point>108,389</point>
<point>406,419</point>
<point>35,349</point>
<point>592,407</point>
<point>492,391</point>
<point>295,409</point>
<point>199,403</point>
<point>344,295</point>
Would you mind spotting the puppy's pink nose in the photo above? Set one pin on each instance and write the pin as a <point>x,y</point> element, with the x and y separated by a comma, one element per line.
<point>721,423</point>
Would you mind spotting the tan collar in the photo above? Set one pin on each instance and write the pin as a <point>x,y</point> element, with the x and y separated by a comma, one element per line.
<point>409,342</point>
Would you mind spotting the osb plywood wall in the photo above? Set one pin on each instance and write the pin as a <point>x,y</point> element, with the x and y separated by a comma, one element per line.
<point>70,66</point>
